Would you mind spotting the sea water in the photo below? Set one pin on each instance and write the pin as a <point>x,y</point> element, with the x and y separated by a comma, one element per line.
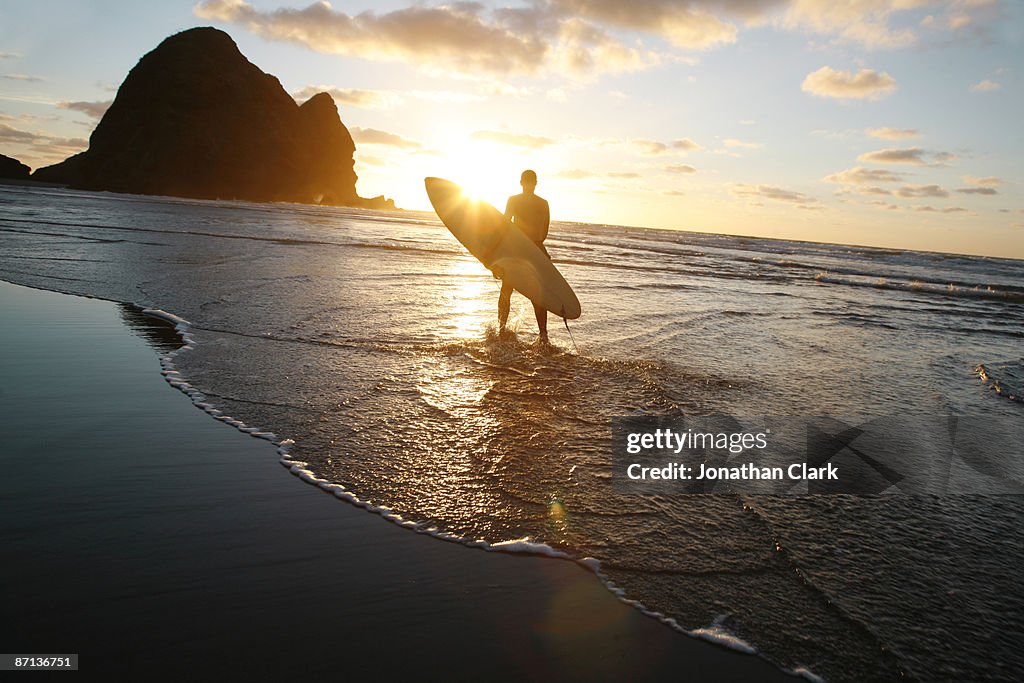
<point>365,344</point>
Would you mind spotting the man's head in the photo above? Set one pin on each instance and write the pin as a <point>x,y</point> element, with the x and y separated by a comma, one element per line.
<point>528,180</point>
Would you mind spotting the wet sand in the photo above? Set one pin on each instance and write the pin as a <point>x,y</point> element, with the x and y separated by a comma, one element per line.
<point>157,542</point>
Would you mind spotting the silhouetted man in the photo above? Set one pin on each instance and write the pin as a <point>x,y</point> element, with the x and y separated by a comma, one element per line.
<point>530,214</point>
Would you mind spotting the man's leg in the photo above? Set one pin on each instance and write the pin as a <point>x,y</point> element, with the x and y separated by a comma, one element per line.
<point>542,322</point>
<point>504,304</point>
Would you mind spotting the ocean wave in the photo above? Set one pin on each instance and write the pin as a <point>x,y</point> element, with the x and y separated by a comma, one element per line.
<point>987,292</point>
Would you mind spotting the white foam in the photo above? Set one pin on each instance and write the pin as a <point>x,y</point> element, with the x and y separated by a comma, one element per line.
<point>527,546</point>
<point>715,633</point>
<point>806,673</point>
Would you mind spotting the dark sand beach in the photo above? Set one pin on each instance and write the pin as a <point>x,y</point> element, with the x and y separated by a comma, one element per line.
<point>160,544</point>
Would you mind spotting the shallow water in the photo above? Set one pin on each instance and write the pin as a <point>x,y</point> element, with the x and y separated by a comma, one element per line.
<point>368,339</point>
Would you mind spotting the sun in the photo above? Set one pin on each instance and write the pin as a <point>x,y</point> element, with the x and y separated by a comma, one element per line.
<point>485,170</point>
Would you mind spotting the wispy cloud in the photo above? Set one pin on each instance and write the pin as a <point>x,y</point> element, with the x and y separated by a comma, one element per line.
<point>769,192</point>
<point>914,156</point>
<point>989,191</point>
<point>734,143</point>
<point>865,22</point>
<point>986,86</point>
<point>893,133</point>
<point>351,97</point>
<point>10,134</point>
<point>582,174</point>
<point>513,139</point>
<point>922,191</point>
<point>866,84</point>
<point>689,25</point>
<point>28,78</point>
<point>575,174</point>
<point>686,145</point>
<point>40,147</point>
<point>94,110</point>
<point>649,146</point>
<point>858,175</point>
<point>372,136</point>
<point>680,169</point>
<point>987,181</point>
<point>932,209</point>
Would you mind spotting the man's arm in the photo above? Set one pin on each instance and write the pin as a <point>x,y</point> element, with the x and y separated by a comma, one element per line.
<point>509,208</point>
<point>546,223</point>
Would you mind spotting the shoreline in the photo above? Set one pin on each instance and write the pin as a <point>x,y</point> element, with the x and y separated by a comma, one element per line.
<point>135,522</point>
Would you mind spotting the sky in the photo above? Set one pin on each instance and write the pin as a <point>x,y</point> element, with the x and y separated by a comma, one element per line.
<point>890,123</point>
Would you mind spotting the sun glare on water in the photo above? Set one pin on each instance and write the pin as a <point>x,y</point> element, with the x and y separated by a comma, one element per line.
<point>469,300</point>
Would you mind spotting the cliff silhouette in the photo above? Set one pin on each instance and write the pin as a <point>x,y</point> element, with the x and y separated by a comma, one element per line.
<point>195,118</point>
<point>12,169</point>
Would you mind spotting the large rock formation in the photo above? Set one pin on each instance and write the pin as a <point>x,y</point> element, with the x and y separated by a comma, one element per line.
<point>12,169</point>
<point>195,118</point>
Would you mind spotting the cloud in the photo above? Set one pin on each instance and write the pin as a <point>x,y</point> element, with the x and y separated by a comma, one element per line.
<point>686,144</point>
<point>978,190</point>
<point>680,169</point>
<point>893,133</point>
<point>465,37</point>
<point>24,77</point>
<point>384,99</point>
<point>674,193</point>
<point>91,109</point>
<point>513,139</point>
<point>369,160</point>
<point>576,37</point>
<point>932,209</point>
<point>986,86</point>
<point>575,174</point>
<point>686,25</point>
<point>858,175</point>
<point>914,156</point>
<point>40,147</point>
<point>769,192</point>
<point>866,22</point>
<point>734,143</point>
<point>583,48</point>
<point>13,135</point>
<point>372,136</point>
<point>866,84</point>
<point>8,55</point>
<point>649,146</point>
<point>959,21</point>
<point>580,174</point>
<point>352,97</point>
<point>702,24</point>
<point>922,191</point>
<point>988,181</point>
<point>453,36</point>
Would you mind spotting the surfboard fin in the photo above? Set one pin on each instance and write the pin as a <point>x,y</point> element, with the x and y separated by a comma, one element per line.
<point>566,321</point>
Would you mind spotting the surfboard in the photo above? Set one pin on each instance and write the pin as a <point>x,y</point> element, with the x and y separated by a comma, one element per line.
<point>503,248</point>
